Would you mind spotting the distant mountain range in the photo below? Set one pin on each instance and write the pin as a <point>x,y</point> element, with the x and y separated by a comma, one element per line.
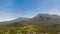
<point>41,18</point>
<point>38,18</point>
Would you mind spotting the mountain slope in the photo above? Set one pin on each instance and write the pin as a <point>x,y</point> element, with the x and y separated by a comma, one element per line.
<point>40,23</point>
<point>46,17</point>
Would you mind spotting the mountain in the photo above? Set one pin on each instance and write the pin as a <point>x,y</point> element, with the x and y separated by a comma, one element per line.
<point>15,20</point>
<point>39,18</point>
<point>40,23</point>
<point>46,17</point>
<point>21,19</point>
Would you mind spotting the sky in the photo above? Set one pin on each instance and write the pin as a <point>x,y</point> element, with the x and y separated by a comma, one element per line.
<point>12,9</point>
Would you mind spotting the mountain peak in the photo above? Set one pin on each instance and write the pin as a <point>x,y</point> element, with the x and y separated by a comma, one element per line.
<point>46,17</point>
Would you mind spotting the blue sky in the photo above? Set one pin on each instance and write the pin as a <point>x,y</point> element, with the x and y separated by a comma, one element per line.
<point>11,9</point>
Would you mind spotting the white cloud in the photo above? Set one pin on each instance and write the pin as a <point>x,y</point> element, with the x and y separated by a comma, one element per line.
<point>6,19</point>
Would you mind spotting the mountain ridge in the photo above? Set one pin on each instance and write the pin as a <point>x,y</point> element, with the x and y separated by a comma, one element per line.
<point>38,18</point>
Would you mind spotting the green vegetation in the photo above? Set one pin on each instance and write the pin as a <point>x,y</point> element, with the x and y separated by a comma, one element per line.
<point>25,28</point>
